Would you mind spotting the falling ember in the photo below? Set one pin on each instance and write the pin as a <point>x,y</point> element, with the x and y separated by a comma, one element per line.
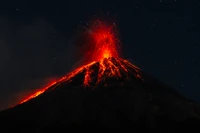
<point>104,55</point>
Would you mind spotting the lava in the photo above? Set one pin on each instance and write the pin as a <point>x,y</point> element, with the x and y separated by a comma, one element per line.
<point>104,56</point>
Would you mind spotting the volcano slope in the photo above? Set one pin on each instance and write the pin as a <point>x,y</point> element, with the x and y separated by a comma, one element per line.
<point>111,93</point>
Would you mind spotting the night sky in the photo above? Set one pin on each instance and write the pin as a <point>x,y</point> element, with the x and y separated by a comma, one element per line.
<point>37,41</point>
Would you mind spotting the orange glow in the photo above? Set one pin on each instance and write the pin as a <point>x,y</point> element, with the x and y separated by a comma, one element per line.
<point>104,56</point>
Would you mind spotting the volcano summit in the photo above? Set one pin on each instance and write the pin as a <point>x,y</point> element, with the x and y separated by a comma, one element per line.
<point>108,92</point>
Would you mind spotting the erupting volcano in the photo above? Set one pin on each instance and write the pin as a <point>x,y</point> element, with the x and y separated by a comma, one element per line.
<point>106,91</point>
<point>104,56</point>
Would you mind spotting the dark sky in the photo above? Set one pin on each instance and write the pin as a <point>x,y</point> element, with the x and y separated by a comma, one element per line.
<point>37,41</point>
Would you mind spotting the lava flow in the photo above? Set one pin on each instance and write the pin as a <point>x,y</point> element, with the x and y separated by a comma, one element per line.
<point>104,56</point>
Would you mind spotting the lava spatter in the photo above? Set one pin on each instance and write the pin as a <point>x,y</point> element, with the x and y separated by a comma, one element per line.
<point>105,56</point>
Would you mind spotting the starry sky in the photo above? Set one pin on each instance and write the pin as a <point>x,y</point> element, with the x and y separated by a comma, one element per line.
<point>37,41</point>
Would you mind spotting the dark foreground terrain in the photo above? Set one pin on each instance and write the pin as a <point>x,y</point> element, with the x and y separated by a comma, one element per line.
<point>128,104</point>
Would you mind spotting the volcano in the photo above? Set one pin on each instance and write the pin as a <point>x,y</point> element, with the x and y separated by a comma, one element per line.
<point>107,92</point>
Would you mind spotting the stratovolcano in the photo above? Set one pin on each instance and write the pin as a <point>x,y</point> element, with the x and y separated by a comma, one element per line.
<point>108,92</point>
<point>103,52</point>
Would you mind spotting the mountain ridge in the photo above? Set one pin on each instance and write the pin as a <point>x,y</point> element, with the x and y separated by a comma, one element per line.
<point>117,100</point>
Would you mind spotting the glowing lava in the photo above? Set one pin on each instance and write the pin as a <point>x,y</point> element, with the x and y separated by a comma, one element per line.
<point>104,57</point>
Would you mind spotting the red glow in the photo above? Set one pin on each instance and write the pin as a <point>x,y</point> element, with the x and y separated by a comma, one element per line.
<point>105,46</point>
